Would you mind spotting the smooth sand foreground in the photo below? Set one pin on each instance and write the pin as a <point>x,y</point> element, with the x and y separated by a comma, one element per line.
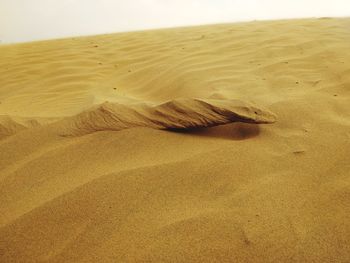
<point>85,180</point>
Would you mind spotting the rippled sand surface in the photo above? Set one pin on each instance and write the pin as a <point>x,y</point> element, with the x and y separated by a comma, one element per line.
<point>222,143</point>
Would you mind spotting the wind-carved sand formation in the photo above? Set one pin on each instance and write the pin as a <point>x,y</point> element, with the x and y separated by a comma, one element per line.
<point>182,114</point>
<point>85,180</point>
<point>177,114</point>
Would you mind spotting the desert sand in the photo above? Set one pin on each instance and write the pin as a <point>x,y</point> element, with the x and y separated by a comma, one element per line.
<point>218,143</point>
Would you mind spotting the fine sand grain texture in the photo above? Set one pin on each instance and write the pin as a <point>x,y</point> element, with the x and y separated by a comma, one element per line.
<point>108,154</point>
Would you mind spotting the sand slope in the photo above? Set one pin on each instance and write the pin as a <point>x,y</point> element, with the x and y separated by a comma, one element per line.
<point>238,192</point>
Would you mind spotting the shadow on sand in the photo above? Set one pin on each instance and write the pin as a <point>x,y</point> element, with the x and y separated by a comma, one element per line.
<point>231,131</point>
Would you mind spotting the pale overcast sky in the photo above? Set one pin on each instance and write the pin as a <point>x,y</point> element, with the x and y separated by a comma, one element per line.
<point>27,20</point>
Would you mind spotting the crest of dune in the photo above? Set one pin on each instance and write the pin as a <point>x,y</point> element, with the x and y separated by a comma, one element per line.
<point>182,114</point>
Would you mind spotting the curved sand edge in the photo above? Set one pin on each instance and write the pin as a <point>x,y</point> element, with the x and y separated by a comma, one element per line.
<point>181,114</point>
<point>175,114</point>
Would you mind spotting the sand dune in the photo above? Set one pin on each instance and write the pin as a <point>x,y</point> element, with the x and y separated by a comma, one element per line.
<point>180,114</point>
<point>10,125</point>
<point>176,167</point>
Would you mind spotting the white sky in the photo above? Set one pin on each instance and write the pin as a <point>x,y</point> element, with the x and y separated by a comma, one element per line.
<point>27,20</point>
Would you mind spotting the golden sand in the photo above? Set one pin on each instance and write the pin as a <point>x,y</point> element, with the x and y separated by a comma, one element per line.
<point>90,172</point>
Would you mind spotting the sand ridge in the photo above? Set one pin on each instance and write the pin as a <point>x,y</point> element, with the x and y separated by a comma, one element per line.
<point>182,114</point>
<point>178,114</point>
<point>128,190</point>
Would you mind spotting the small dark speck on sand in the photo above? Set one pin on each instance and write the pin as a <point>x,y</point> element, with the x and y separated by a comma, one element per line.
<point>335,95</point>
<point>297,82</point>
<point>114,88</point>
<point>299,152</point>
<point>95,45</point>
